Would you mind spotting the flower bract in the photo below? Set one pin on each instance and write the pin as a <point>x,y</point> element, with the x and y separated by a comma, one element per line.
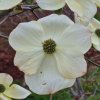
<point>71,40</point>
<point>8,4</point>
<point>94,27</point>
<point>9,90</point>
<point>84,8</point>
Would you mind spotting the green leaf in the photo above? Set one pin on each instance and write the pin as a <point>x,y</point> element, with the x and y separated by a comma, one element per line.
<point>29,2</point>
<point>62,95</point>
<point>96,97</point>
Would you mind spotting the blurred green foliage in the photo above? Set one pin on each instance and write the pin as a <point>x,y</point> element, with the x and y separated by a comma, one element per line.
<point>96,97</point>
<point>97,16</point>
<point>29,2</point>
<point>62,95</point>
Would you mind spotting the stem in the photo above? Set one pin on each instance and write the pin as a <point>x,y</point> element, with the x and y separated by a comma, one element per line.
<point>77,88</point>
<point>81,90</point>
<point>50,96</point>
<point>29,7</point>
<point>1,35</point>
<point>92,62</point>
<point>4,19</point>
<point>74,93</point>
<point>35,14</point>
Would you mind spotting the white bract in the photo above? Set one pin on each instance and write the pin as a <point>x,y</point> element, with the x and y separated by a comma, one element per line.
<point>97,2</point>
<point>8,4</point>
<point>94,27</point>
<point>81,20</point>
<point>35,40</point>
<point>9,90</point>
<point>84,8</point>
<point>48,79</point>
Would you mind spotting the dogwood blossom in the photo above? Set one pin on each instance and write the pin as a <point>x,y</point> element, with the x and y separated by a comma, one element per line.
<point>8,4</point>
<point>54,36</point>
<point>9,90</point>
<point>84,8</point>
<point>94,27</point>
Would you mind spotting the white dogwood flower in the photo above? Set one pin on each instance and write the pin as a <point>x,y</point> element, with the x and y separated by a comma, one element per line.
<point>8,4</point>
<point>84,8</point>
<point>9,90</point>
<point>94,27</point>
<point>56,37</point>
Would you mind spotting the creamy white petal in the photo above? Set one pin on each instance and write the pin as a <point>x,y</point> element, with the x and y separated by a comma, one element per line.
<point>69,51</point>
<point>26,36</point>
<point>51,4</point>
<point>95,39</point>
<point>95,24</point>
<point>48,79</point>
<point>17,92</point>
<point>29,62</point>
<point>84,8</point>
<point>97,2</point>
<point>5,79</point>
<point>81,20</point>
<point>76,37</point>
<point>54,25</point>
<point>70,66</point>
<point>8,4</point>
<point>96,42</point>
<point>97,47</point>
<point>3,97</point>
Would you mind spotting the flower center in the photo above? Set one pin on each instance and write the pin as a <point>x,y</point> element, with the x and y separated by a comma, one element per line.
<point>2,88</point>
<point>49,46</point>
<point>97,32</point>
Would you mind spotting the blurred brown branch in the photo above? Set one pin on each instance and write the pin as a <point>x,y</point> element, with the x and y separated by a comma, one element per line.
<point>2,35</point>
<point>92,62</point>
